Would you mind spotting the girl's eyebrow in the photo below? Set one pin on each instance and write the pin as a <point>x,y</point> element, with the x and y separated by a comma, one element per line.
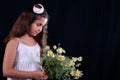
<point>39,24</point>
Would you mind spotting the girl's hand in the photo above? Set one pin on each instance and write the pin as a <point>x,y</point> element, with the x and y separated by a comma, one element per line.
<point>40,75</point>
<point>44,77</point>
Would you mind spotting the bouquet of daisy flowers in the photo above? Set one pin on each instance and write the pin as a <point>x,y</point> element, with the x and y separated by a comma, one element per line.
<point>58,66</point>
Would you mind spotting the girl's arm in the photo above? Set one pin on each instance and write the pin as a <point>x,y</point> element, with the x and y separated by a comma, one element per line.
<point>8,63</point>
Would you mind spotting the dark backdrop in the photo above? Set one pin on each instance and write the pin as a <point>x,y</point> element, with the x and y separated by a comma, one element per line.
<point>88,28</point>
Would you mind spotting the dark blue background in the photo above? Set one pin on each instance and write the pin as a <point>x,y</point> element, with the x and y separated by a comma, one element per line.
<point>88,28</point>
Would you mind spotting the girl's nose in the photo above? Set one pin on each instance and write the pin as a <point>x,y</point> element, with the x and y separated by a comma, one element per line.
<point>39,29</point>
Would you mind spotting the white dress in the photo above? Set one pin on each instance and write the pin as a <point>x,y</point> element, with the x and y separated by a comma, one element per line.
<point>27,58</point>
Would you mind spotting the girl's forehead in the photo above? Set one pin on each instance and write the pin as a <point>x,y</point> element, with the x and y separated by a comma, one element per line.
<point>39,17</point>
<point>41,20</point>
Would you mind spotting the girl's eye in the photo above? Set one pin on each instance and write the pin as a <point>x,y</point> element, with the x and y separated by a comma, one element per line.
<point>39,24</point>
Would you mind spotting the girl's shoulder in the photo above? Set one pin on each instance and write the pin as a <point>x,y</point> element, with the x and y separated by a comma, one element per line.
<point>13,41</point>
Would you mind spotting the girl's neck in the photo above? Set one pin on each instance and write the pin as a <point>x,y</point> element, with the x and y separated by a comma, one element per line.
<point>28,40</point>
<point>27,37</point>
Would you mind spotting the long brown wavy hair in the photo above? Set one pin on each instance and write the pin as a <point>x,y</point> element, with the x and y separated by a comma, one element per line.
<point>22,26</point>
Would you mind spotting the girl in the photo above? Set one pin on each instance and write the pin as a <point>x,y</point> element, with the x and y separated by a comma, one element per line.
<point>25,45</point>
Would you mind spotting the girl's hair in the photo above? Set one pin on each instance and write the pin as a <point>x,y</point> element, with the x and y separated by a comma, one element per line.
<point>22,26</point>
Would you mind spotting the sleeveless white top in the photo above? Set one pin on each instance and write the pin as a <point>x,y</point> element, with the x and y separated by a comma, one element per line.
<point>27,58</point>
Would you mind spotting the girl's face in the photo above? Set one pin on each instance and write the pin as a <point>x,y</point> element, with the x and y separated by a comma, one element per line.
<point>37,26</point>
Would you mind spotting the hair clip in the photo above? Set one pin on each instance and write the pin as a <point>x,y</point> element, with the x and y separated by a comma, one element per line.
<point>38,8</point>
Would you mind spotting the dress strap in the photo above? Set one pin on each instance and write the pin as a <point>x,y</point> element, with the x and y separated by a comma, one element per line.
<point>18,39</point>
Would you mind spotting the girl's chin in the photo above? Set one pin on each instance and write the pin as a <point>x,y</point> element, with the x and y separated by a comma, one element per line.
<point>33,35</point>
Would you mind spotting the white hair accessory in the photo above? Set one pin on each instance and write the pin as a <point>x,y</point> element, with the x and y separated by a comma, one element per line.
<point>38,8</point>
